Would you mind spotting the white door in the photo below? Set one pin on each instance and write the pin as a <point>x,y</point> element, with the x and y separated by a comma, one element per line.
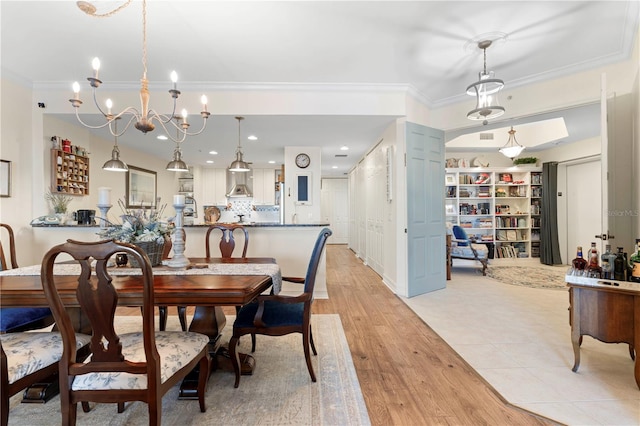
<point>584,216</point>
<point>334,196</point>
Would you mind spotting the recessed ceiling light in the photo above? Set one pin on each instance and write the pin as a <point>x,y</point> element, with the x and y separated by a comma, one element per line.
<point>213,152</point>
<point>272,162</point>
<point>344,148</point>
<point>162,137</point>
<point>334,167</point>
<point>252,137</point>
<point>209,161</point>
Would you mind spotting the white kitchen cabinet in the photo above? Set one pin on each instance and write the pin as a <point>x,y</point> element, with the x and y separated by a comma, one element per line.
<point>214,187</point>
<point>263,186</point>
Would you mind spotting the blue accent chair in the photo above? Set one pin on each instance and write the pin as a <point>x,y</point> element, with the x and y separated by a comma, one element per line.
<point>278,315</point>
<point>462,247</point>
<point>14,320</point>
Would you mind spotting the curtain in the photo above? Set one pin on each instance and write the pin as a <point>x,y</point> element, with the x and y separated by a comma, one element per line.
<point>549,245</point>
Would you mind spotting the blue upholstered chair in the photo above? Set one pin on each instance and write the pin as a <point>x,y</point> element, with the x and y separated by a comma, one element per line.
<point>14,320</point>
<point>278,315</point>
<point>462,247</point>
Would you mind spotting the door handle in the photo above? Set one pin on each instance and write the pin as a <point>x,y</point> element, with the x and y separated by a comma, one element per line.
<point>605,237</point>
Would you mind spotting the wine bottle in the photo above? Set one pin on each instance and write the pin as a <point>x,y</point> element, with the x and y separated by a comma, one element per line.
<point>634,264</point>
<point>579,263</point>
<point>608,258</point>
<point>619,266</point>
<point>593,269</point>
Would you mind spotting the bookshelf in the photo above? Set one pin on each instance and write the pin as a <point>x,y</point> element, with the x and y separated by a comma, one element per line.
<point>502,206</point>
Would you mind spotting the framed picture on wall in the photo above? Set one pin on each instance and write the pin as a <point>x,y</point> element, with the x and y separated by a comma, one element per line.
<point>141,188</point>
<point>5,178</point>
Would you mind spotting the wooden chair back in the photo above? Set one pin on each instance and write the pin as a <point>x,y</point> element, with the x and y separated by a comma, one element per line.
<point>98,300</point>
<point>227,242</point>
<point>12,250</point>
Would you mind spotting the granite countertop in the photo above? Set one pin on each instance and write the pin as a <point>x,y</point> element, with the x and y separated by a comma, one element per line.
<point>258,224</point>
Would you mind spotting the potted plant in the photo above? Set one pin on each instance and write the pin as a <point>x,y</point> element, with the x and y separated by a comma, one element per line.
<point>59,203</point>
<point>143,228</point>
<point>525,160</point>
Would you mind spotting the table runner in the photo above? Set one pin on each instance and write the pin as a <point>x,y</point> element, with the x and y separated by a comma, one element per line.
<point>270,269</point>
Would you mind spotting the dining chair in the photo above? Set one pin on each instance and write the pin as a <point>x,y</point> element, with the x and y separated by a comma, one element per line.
<point>19,319</point>
<point>227,241</point>
<point>138,366</point>
<point>279,315</point>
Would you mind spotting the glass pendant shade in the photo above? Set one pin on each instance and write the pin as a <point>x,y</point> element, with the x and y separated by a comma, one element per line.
<point>486,92</point>
<point>177,165</point>
<point>512,148</point>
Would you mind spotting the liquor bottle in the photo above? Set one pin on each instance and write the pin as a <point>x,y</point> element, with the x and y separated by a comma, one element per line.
<point>634,264</point>
<point>593,269</point>
<point>619,266</point>
<point>579,263</point>
<point>608,259</point>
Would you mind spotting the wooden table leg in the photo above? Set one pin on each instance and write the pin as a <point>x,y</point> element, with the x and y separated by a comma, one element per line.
<point>575,327</point>
<point>210,320</point>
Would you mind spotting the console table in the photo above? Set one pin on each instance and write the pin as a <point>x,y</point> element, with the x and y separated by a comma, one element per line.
<point>606,310</point>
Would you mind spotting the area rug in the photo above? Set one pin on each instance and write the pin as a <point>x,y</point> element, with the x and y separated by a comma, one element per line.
<point>280,391</point>
<point>547,277</point>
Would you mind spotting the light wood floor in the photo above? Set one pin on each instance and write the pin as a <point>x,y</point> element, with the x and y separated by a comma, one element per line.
<point>408,374</point>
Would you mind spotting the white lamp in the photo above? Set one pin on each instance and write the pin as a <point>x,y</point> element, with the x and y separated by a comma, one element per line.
<point>512,148</point>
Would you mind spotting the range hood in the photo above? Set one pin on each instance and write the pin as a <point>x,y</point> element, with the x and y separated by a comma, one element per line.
<point>238,184</point>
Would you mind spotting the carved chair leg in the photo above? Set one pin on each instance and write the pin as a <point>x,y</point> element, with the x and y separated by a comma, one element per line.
<point>85,406</point>
<point>182,316</point>
<point>235,359</point>
<point>203,378</point>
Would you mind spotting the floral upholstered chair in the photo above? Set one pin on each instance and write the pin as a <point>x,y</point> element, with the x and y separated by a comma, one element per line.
<point>25,357</point>
<point>138,366</point>
<point>462,247</point>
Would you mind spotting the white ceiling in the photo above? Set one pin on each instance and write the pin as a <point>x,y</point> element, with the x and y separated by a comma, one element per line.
<point>429,46</point>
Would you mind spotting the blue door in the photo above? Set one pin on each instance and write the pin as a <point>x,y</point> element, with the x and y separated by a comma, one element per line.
<point>426,228</point>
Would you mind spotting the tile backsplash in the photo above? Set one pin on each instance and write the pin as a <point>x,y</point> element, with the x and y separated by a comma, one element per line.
<point>250,212</point>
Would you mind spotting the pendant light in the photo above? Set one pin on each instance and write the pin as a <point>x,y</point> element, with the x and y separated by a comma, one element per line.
<point>239,165</point>
<point>512,148</point>
<point>177,165</point>
<point>115,164</point>
<point>486,91</point>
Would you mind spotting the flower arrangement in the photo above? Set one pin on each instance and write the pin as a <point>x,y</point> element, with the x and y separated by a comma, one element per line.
<point>59,202</point>
<point>139,225</point>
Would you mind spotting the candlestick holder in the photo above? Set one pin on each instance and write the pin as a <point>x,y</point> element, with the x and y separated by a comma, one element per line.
<point>179,260</point>
<point>104,210</point>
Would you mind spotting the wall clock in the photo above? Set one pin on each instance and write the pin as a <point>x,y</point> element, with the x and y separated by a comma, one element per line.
<point>302,160</point>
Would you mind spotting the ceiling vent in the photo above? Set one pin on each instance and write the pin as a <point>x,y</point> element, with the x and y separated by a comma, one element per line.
<point>341,155</point>
<point>486,136</point>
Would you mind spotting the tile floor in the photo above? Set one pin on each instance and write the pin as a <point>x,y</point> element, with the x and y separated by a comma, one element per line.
<point>519,340</point>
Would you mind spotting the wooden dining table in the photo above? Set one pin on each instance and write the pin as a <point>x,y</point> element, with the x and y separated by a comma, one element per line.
<point>200,286</point>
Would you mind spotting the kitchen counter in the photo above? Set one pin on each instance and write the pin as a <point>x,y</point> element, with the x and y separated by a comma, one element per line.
<point>258,224</point>
<point>290,244</point>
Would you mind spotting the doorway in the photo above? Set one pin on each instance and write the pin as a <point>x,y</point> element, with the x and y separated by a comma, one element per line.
<point>584,206</point>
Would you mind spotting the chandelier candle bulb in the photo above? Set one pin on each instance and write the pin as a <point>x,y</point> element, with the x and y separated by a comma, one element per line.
<point>95,64</point>
<point>104,196</point>
<point>178,200</point>
<point>76,90</point>
<point>203,99</point>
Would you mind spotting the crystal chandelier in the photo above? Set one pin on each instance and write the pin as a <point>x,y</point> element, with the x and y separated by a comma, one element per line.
<point>512,148</point>
<point>144,118</point>
<point>486,92</point>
